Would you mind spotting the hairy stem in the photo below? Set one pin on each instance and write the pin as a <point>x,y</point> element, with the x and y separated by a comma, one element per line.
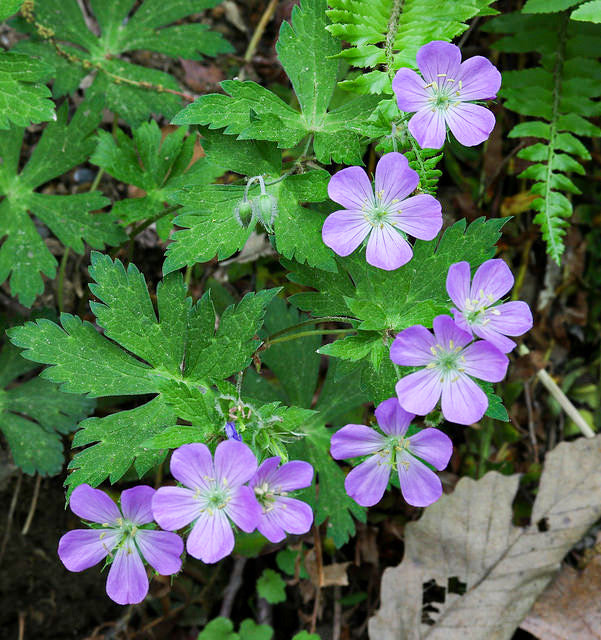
<point>308,322</point>
<point>303,334</point>
<point>391,31</point>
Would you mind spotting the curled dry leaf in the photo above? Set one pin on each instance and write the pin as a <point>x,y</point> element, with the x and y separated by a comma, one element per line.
<point>489,570</point>
<point>569,607</point>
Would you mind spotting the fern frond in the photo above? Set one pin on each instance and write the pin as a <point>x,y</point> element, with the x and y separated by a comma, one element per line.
<point>560,94</point>
<point>389,33</point>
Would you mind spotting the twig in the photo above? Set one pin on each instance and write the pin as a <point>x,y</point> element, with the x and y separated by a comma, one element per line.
<point>560,396</point>
<point>233,586</point>
<point>11,513</point>
<point>33,505</point>
<point>21,625</point>
<point>258,34</point>
<point>337,623</point>
<point>531,432</point>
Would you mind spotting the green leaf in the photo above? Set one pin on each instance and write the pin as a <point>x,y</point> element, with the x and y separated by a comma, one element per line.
<point>175,355</point>
<point>211,225</point>
<point>271,586</point>
<point>219,629</point>
<point>250,111</point>
<point>23,98</point>
<point>34,414</point>
<point>548,6</point>
<point>157,166</point>
<point>9,7</point>
<point>132,91</point>
<point>63,145</point>
<point>588,12</point>
<point>369,24</point>
<point>250,630</point>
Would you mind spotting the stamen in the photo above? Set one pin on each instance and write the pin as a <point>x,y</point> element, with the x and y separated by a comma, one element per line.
<point>441,75</point>
<point>455,379</point>
<point>495,312</point>
<point>430,365</point>
<point>452,344</point>
<point>429,85</point>
<point>433,350</point>
<point>460,85</point>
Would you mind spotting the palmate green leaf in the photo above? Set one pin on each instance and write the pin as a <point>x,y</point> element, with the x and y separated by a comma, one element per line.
<point>34,414</point>
<point>24,99</point>
<point>561,94</point>
<point>408,25</point>
<point>140,353</point>
<point>211,226</point>
<point>63,145</point>
<point>158,166</point>
<point>271,586</point>
<point>120,81</point>
<point>250,111</point>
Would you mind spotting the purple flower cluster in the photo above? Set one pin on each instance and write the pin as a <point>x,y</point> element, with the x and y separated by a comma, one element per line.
<point>215,493</point>
<point>450,358</point>
<point>443,95</point>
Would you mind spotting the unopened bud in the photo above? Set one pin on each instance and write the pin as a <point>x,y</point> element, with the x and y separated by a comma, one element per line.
<point>266,209</point>
<point>231,433</point>
<point>244,213</point>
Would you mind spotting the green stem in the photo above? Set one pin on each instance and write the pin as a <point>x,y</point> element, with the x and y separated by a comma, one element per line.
<point>97,179</point>
<point>307,322</point>
<point>304,334</point>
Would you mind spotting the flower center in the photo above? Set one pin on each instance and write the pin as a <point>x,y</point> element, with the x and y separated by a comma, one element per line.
<point>217,496</point>
<point>447,361</point>
<point>266,495</point>
<point>444,92</point>
<point>476,309</point>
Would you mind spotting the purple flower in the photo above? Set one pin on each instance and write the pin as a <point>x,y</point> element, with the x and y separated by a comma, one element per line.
<point>476,311</point>
<point>280,513</point>
<point>384,217</point>
<point>367,482</point>
<point>231,433</point>
<point>444,94</point>
<point>448,363</point>
<point>212,495</point>
<point>123,538</point>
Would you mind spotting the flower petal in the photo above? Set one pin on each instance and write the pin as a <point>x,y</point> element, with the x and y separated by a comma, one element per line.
<point>161,549</point>
<point>433,446</point>
<point>420,486</point>
<point>463,401</point>
<point>387,249</point>
<point>419,392</point>
<point>136,504</point>
<point>191,464</point>
<point>395,179</point>
<point>269,528</point>
<point>483,360</point>
<point>93,505</point>
<point>351,188</point>
<point>470,123</point>
<point>265,471</point>
<point>412,347</point>
<point>461,321</point>
<point>420,217</point>
<point>212,537</point>
<point>366,483</point>
<point>355,440</point>
<point>175,507</point>
<point>480,79</point>
<point>234,462</point>
<point>291,476</point>
<point>511,318</point>
<point>492,281</point>
<point>458,283</point>
<point>83,548</point>
<point>429,128</point>
<point>127,582</point>
<point>410,90</point>
<point>446,331</point>
<point>343,231</point>
<point>392,418</point>
<point>503,344</point>
<point>437,58</point>
<point>244,509</point>
<point>292,515</point>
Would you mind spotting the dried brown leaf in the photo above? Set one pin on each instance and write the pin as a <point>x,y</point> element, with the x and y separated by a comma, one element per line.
<point>468,538</point>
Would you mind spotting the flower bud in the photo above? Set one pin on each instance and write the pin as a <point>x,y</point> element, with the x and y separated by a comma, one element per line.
<point>266,208</point>
<point>231,433</point>
<point>244,213</point>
